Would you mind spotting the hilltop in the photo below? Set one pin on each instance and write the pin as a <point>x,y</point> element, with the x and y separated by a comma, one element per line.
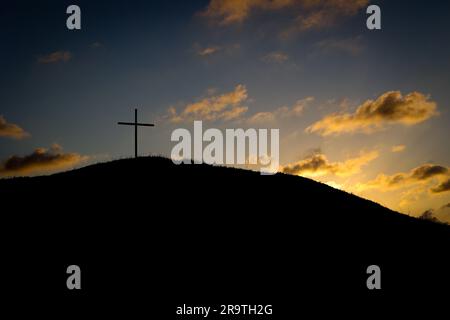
<point>194,223</point>
<point>132,181</point>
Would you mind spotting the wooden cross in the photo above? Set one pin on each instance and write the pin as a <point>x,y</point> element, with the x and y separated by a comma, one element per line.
<point>136,124</point>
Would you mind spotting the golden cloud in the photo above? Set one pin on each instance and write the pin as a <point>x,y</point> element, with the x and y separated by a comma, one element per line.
<point>442,187</point>
<point>11,130</point>
<point>398,148</point>
<point>40,160</point>
<point>445,206</point>
<point>53,57</point>
<point>283,112</point>
<point>235,11</point>
<point>373,115</point>
<point>318,165</point>
<point>318,14</point>
<point>310,14</point>
<point>441,215</point>
<point>421,174</point>
<point>227,106</point>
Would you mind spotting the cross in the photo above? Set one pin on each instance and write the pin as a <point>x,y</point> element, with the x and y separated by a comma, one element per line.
<point>136,124</point>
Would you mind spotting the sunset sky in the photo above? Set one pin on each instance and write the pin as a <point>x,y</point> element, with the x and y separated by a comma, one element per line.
<point>364,111</point>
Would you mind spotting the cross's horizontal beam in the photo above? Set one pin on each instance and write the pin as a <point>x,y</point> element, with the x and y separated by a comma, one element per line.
<point>136,124</point>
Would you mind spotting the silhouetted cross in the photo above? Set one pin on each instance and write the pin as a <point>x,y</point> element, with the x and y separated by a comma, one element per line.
<point>136,124</point>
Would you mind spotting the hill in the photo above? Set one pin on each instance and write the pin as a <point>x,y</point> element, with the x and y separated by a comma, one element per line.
<point>196,232</point>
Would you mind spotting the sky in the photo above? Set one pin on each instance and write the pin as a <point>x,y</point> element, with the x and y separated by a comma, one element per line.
<point>366,111</point>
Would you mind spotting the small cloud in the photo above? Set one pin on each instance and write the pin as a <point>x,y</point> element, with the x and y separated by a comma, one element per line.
<point>398,148</point>
<point>262,117</point>
<point>318,165</point>
<point>275,57</point>
<point>283,112</point>
<point>421,174</point>
<point>227,12</point>
<point>227,106</point>
<point>320,14</point>
<point>429,215</point>
<point>11,130</point>
<point>445,206</point>
<point>442,187</point>
<point>208,51</point>
<point>428,171</point>
<point>58,56</point>
<point>214,50</point>
<point>443,213</point>
<point>351,46</point>
<point>41,160</point>
<point>373,115</point>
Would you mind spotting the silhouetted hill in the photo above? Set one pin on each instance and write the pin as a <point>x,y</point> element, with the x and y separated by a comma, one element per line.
<point>196,232</point>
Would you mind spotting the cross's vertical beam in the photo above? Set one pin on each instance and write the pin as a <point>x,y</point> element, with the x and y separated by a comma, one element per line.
<point>136,124</point>
<point>135,134</point>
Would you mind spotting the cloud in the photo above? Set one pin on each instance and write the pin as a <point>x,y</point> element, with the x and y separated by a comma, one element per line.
<point>227,12</point>
<point>351,46</point>
<point>429,215</point>
<point>427,171</point>
<point>441,215</point>
<point>445,206</point>
<point>373,115</point>
<point>54,57</point>
<point>319,14</point>
<point>227,106</point>
<point>208,51</point>
<point>40,160</point>
<point>442,187</point>
<point>283,112</point>
<point>309,14</point>
<point>11,130</point>
<point>421,174</point>
<point>398,148</point>
<point>275,57</point>
<point>214,50</point>
<point>318,165</point>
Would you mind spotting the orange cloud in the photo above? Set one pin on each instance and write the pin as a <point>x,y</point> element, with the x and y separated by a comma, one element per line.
<point>318,165</point>
<point>442,187</point>
<point>310,14</point>
<point>235,11</point>
<point>11,130</point>
<point>283,112</point>
<point>398,148</point>
<point>421,174</point>
<point>227,106</point>
<point>54,57</point>
<point>319,14</point>
<point>373,115</point>
<point>39,161</point>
